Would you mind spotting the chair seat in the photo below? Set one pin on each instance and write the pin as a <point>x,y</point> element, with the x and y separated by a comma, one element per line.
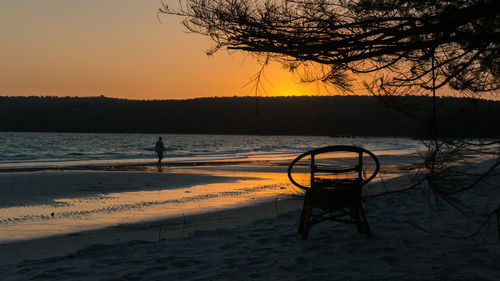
<point>334,197</point>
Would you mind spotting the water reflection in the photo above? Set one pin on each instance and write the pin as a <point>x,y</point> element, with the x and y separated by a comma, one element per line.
<point>85,213</point>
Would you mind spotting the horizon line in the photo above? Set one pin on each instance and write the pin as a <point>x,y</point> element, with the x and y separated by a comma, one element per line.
<point>235,96</point>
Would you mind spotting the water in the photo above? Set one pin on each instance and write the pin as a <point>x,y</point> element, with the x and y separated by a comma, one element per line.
<point>63,149</point>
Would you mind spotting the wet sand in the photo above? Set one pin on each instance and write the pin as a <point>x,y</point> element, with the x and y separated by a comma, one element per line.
<point>258,241</point>
<point>63,203</point>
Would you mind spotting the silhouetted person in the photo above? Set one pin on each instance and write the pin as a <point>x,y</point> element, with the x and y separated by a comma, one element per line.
<point>160,149</point>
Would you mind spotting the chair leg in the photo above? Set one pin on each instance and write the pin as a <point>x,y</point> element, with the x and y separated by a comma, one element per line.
<point>365,222</point>
<point>307,222</point>
<point>355,215</point>
<point>302,216</point>
<point>355,211</point>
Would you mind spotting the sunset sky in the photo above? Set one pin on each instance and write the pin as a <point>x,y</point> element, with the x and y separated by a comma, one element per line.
<point>119,48</point>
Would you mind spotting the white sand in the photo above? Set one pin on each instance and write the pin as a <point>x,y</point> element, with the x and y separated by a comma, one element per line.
<point>260,243</point>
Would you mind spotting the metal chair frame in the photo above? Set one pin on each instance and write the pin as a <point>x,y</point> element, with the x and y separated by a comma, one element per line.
<point>337,200</point>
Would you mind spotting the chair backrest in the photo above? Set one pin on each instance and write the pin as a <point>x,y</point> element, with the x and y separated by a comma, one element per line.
<point>315,169</point>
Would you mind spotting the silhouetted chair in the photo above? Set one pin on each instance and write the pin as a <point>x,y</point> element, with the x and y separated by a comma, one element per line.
<point>334,193</point>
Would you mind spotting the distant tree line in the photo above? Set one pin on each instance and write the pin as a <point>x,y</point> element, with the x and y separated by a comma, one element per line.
<point>304,115</point>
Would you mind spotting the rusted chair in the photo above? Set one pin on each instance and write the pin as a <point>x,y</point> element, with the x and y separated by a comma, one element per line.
<point>334,193</point>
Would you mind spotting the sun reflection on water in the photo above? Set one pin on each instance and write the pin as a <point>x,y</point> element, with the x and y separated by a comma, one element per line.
<point>68,215</point>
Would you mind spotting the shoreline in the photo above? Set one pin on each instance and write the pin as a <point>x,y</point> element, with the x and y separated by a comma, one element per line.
<point>259,241</point>
<point>172,177</point>
<point>172,226</point>
<point>53,202</point>
<point>180,226</point>
<point>403,161</point>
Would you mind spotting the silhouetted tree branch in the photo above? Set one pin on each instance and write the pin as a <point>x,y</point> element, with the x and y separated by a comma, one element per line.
<point>411,48</point>
<point>362,36</point>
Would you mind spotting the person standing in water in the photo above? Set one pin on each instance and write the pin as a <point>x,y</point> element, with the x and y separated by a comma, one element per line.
<point>160,149</point>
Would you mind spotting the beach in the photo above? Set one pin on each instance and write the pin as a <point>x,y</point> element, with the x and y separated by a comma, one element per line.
<point>359,142</point>
<point>256,238</point>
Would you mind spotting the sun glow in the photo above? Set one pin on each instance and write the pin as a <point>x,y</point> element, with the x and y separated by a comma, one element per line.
<point>77,56</point>
<point>290,90</point>
<point>275,81</point>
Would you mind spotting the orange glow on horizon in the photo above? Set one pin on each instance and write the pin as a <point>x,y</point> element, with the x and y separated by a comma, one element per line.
<point>119,49</point>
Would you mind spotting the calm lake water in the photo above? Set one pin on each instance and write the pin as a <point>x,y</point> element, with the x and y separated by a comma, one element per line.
<point>60,149</point>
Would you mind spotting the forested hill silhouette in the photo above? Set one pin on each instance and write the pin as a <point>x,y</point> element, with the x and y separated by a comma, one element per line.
<point>304,115</point>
